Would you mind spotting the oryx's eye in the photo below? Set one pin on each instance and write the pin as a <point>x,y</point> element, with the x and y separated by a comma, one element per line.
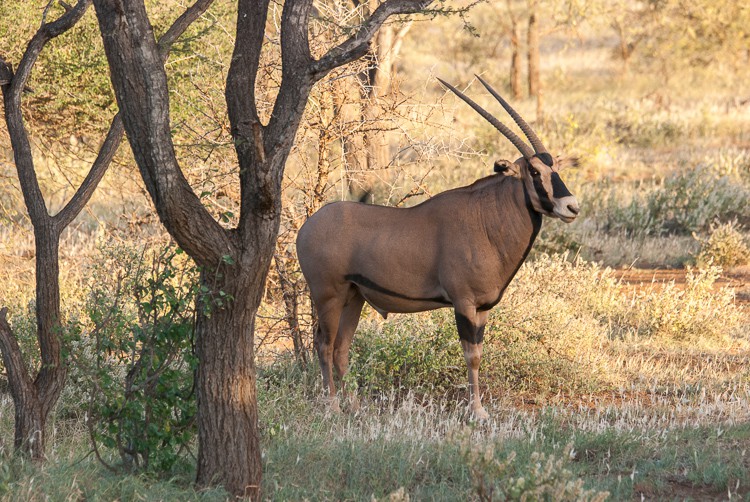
<point>533,171</point>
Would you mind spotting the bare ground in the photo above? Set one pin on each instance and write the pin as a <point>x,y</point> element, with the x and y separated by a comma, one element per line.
<point>736,278</point>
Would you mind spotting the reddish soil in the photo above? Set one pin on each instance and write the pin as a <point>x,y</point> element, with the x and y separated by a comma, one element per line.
<point>737,279</point>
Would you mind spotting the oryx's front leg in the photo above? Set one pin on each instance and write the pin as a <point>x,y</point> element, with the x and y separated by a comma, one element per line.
<point>470,324</point>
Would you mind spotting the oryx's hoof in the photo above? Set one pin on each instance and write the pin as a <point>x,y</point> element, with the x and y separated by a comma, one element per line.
<point>334,406</point>
<point>479,414</point>
<point>331,404</point>
<point>352,404</point>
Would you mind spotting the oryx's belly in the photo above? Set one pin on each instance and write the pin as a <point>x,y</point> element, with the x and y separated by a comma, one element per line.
<point>384,298</point>
<point>385,305</point>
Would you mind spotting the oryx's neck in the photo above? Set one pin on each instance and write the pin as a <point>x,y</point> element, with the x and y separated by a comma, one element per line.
<point>511,222</point>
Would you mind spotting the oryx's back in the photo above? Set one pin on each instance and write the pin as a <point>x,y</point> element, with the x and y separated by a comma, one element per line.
<point>381,247</point>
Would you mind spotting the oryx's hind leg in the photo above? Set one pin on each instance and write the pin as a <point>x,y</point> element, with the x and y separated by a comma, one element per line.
<point>329,313</point>
<point>347,326</point>
<point>470,324</point>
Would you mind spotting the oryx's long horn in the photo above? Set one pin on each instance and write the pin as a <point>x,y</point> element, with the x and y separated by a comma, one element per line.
<point>525,127</point>
<point>525,150</point>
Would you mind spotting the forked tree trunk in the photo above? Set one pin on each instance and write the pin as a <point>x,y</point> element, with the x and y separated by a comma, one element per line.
<point>30,421</point>
<point>34,398</point>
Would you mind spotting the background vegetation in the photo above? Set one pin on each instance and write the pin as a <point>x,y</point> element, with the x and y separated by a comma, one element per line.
<point>596,379</point>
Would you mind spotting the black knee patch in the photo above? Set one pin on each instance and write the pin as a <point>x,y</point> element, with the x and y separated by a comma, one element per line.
<point>467,331</point>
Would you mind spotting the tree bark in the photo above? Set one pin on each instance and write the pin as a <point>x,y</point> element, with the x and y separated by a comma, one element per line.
<point>229,446</point>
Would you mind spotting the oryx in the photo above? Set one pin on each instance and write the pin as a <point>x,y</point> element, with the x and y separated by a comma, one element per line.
<point>458,249</point>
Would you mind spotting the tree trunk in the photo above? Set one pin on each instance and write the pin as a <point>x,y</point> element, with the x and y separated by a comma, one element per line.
<point>30,430</point>
<point>234,262</point>
<point>625,46</point>
<point>31,435</point>
<point>377,86</point>
<point>515,61</point>
<point>33,400</point>
<point>229,445</point>
<point>533,59</point>
<point>51,378</point>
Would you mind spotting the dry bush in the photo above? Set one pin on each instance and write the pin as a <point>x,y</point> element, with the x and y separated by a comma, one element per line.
<point>695,314</point>
<point>545,477</point>
<point>725,246</point>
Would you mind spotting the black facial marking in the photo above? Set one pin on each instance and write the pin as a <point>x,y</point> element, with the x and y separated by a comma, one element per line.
<point>467,331</point>
<point>559,190</point>
<point>541,193</point>
<point>546,158</point>
<point>363,281</point>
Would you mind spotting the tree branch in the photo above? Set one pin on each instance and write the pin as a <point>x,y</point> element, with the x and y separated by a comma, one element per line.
<point>357,45</point>
<point>296,80</point>
<point>116,129</point>
<point>140,84</point>
<point>106,153</point>
<point>20,143</point>
<point>181,24</point>
<point>18,374</point>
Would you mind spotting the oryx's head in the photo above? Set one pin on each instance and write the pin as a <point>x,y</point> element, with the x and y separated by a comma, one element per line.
<point>537,168</point>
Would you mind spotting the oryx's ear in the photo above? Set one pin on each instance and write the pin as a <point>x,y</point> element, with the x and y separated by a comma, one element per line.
<point>507,168</point>
<point>564,162</point>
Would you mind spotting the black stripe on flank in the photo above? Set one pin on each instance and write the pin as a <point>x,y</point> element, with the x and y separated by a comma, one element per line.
<point>559,190</point>
<point>363,281</point>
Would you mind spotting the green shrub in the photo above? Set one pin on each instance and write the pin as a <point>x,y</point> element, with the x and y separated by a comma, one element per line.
<point>725,246</point>
<point>135,356</point>
<point>684,202</point>
<point>643,125</point>
<point>689,201</point>
<point>543,336</point>
<point>415,351</point>
<point>693,313</point>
